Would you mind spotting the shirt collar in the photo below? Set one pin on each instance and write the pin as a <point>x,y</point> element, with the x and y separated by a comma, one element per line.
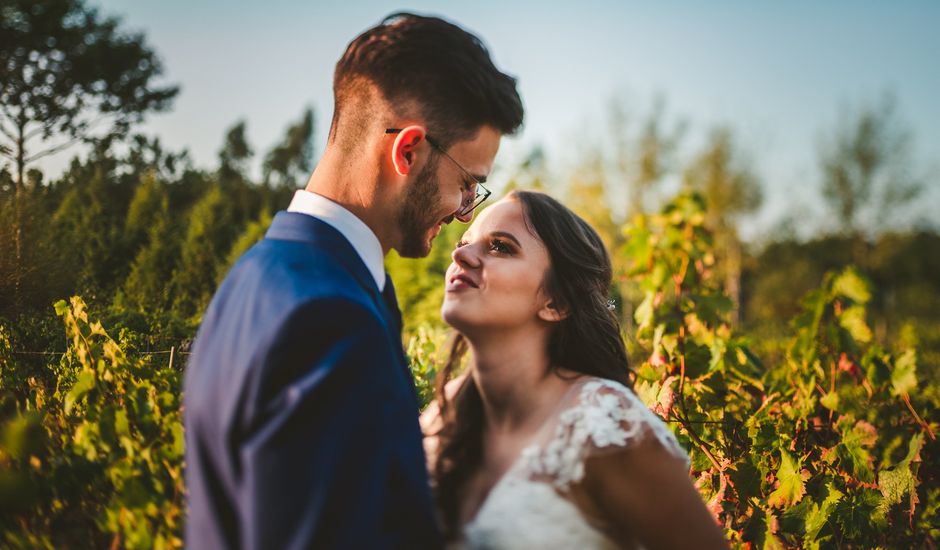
<point>362,239</point>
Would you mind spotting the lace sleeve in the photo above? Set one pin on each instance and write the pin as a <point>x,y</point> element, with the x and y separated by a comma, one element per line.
<point>606,417</point>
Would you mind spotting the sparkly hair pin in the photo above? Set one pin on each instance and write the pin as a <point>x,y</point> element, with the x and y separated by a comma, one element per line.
<point>611,305</point>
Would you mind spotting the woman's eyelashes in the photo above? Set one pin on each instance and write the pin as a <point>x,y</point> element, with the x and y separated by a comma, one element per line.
<point>496,245</point>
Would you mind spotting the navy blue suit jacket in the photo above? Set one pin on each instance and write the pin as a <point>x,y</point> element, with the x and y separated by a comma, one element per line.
<point>300,411</point>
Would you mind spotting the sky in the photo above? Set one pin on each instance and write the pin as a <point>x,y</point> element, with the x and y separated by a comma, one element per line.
<point>777,73</point>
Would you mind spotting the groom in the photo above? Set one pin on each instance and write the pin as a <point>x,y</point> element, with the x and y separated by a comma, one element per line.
<point>300,412</point>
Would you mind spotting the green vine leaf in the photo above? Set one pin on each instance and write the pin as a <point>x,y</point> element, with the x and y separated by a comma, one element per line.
<point>904,375</point>
<point>817,517</point>
<point>852,286</point>
<point>853,321</point>
<point>896,482</point>
<point>830,401</point>
<point>790,487</point>
<point>857,438</point>
<point>83,384</point>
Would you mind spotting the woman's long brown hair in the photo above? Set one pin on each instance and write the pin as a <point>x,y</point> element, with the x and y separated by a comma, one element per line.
<point>587,341</point>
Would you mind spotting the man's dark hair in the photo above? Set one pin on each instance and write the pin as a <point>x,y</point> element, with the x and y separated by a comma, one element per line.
<point>431,65</point>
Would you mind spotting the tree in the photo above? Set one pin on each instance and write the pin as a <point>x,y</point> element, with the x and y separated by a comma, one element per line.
<point>209,237</point>
<point>644,159</point>
<point>293,157</point>
<point>587,195</point>
<point>150,200</point>
<point>248,200</point>
<point>35,278</point>
<point>866,174</point>
<point>730,190</point>
<point>235,153</point>
<point>254,231</point>
<point>88,222</point>
<point>146,155</point>
<point>66,72</point>
<point>146,286</point>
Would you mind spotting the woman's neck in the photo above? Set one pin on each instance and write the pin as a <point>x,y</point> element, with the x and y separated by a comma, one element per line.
<point>517,386</point>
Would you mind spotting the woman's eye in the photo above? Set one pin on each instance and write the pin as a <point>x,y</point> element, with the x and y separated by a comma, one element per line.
<point>460,243</point>
<point>500,246</point>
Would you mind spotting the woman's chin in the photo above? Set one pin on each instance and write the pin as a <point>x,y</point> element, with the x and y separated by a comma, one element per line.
<point>453,317</point>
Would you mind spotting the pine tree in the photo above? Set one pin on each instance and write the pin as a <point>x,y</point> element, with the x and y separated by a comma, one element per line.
<point>291,160</point>
<point>146,287</point>
<point>209,236</point>
<point>67,75</point>
<point>87,224</point>
<point>252,233</point>
<point>146,206</point>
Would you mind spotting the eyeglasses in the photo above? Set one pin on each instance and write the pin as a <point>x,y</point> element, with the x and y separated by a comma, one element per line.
<point>480,193</point>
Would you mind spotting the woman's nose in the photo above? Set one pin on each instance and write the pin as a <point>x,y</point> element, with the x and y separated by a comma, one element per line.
<point>465,257</point>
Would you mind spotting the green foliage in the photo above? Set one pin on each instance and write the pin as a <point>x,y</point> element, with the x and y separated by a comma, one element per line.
<point>820,445</point>
<point>88,220</point>
<point>146,286</point>
<point>98,456</point>
<point>805,450</point>
<point>202,253</point>
<point>727,185</point>
<point>291,160</point>
<point>233,157</point>
<point>587,195</point>
<point>425,352</point>
<point>253,233</point>
<point>150,201</point>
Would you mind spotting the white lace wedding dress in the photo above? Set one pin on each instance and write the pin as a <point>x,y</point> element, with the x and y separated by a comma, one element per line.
<point>531,506</point>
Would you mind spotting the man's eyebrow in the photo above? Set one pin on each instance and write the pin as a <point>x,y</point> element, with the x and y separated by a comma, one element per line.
<point>474,178</point>
<point>506,235</point>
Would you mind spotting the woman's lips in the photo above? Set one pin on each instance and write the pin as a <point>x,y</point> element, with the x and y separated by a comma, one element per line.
<point>458,282</point>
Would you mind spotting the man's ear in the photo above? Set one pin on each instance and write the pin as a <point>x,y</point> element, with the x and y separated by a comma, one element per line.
<point>553,312</point>
<point>403,148</point>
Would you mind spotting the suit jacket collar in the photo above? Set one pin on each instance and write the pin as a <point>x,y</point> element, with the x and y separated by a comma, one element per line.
<point>292,226</point>
<point>359,235</point>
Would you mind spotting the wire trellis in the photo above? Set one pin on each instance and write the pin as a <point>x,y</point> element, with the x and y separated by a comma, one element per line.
<point>160,352</point>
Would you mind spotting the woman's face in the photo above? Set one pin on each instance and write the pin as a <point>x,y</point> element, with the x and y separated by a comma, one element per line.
<point>496,278</point>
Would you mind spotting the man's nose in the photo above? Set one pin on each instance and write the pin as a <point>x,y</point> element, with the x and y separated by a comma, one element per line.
<point>463,217</point>
<point>464,212</point>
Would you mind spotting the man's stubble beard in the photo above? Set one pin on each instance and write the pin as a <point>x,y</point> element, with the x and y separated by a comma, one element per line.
<point>420,202</point>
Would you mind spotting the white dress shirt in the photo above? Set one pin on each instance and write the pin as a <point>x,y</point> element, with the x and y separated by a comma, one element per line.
<point>363,240</point>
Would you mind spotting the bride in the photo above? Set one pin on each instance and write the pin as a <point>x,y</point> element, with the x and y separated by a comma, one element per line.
<point>542,443</point>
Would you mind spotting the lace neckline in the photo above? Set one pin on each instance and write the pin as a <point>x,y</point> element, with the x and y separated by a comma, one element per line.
<point>568,400</point>
<point>534,503</point>
<point>519,460</point>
